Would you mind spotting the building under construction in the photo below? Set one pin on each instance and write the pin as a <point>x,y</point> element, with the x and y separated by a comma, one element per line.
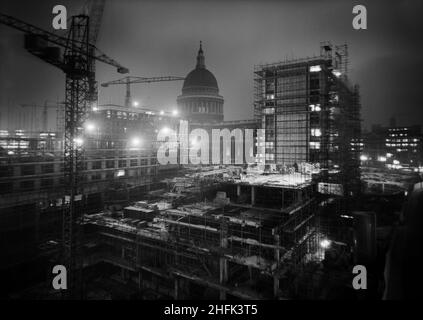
<point>311,114</point>
<point>239,236</point>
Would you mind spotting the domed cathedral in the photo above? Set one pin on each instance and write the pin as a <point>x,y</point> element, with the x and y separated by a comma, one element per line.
<point>200,100</point>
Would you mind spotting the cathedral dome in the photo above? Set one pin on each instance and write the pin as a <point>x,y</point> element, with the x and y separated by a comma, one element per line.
<point>200,101</point>
<point>200,79</point>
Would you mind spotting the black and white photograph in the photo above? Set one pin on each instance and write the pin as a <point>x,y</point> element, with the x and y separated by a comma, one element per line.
<point>210,156</point>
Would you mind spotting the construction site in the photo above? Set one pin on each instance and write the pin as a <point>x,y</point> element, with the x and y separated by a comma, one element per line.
<point>92,196</point>
<point>226,247</point>
<point>211,234</point>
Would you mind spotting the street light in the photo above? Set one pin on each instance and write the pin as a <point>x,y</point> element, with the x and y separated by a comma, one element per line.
<point>135,104</point>
<point>364,157</point>
<point>78,141</point>
<point>175,112</point>
<point>165,130</point>
<point>135,142</point>
<point>90,127</point>
<point>325,243</point>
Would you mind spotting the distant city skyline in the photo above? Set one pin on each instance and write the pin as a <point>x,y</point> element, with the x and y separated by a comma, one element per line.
<point>159,38</point>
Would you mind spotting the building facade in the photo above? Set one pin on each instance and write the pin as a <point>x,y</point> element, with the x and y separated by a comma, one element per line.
<point>310,114</point>
<point>406,145</point>
<point>397,147</point>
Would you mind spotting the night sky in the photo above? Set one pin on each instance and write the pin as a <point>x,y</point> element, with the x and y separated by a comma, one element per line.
<point>160,38</point>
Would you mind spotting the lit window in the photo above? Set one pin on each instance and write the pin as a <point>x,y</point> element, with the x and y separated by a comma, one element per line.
<point>364,157</point>
<point>336,73</point>
<point>314,145</point>
<point>316,132</point>
<point>315,107</point>
<point>315,69</point>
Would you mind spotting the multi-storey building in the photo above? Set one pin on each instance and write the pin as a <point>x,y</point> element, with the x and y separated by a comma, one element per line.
<point>405,144</point>
<point>394,146</point>
<point>311,114</point>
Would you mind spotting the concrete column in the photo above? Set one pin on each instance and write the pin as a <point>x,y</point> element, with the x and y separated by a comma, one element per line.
<point>223,263</point>
<point>139,280</point>
<point>277,258</point>
<point>223,276</point>
<point>300,195</point>
<point>176,289</point>
<point>122,270</point>
<point>275,286</point>
<point>238,190</point>
<point>277,251</point>
<point>250,272</point>
<point>253,195</point>
<point>223,270</point>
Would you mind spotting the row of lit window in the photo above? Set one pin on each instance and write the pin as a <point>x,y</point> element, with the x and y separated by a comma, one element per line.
<point>402,140</point>
<point>398,129</point>
<point>401,144</point>
<point>405,150</point>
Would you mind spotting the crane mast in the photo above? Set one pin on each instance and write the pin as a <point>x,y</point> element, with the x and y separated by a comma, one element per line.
<point>95,12</point>
<point>77,64</point>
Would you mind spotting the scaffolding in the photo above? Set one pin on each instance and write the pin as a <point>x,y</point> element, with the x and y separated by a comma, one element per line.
<point>231,247</point>
<point>311,114</point>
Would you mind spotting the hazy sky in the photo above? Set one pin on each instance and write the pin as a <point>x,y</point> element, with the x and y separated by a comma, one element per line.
<point>159,38</point>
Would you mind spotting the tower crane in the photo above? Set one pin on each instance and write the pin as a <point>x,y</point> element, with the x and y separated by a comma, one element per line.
<point>94,9</point>
<point>74,55</point>
<point>129,80</point>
